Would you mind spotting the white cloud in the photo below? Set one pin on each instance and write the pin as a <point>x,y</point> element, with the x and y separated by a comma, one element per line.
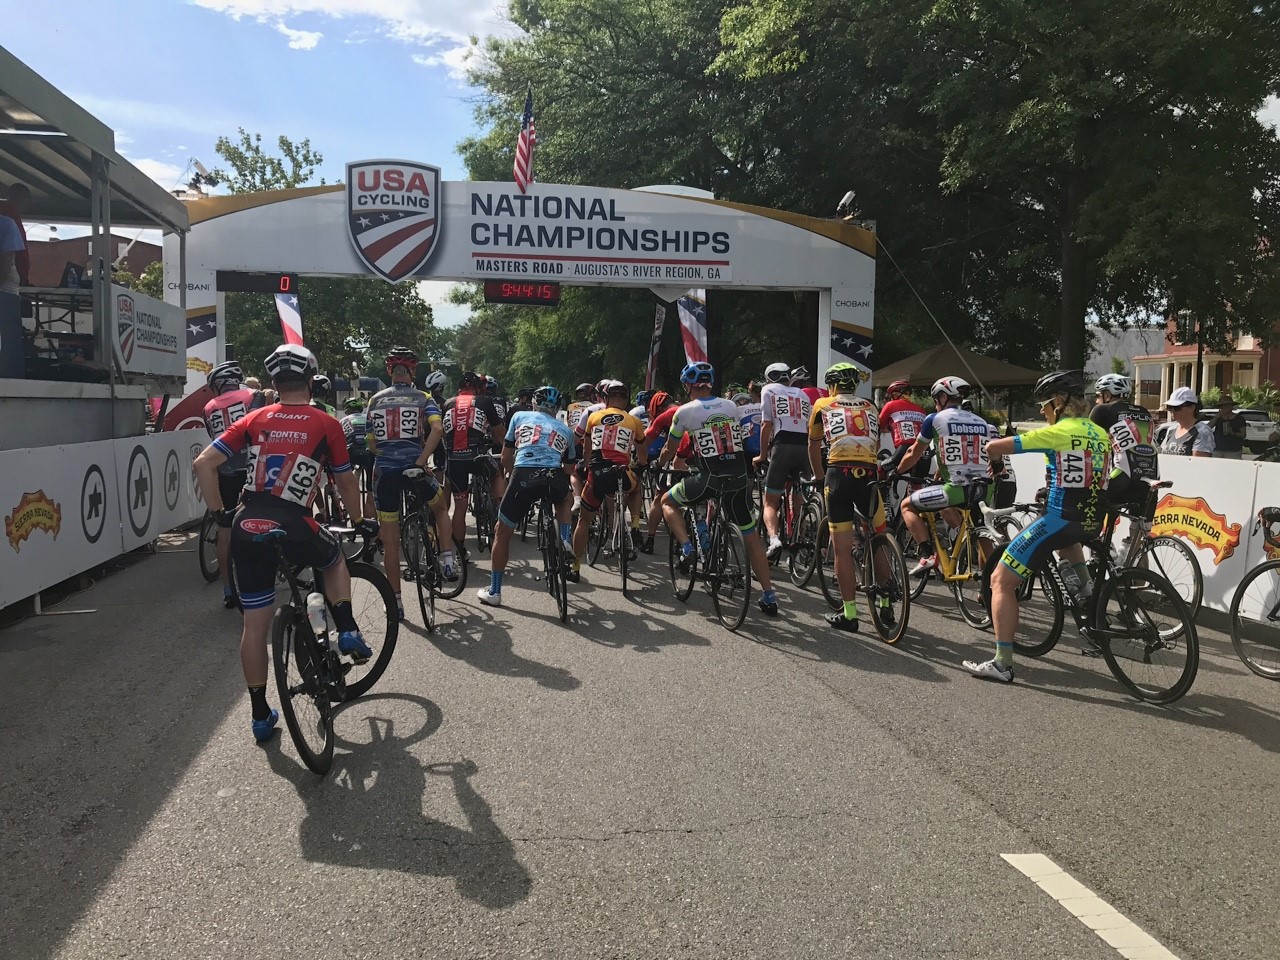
<point>455,60</point>
<point>436,294</point>
<point>118,112</point>
<point>168,175</point>
<point>300,39</point>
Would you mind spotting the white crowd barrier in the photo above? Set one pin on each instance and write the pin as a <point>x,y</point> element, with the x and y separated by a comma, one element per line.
<point>1212,505</point>
<point>69,508</point>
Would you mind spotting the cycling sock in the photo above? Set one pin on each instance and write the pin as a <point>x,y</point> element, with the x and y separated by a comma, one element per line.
<point>495,581</point>
<point>577,564</point>
<point>1004,654</point>
<point>566,531</point>
<point>769,596</point>
<point>687,548</point>
<point>258,701</point>
<point>851,609</point>
<point>343,617</point>
<point>635,523</point>
<point>1082,571</point>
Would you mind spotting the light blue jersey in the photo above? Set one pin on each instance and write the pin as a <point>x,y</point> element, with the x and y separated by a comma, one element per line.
<point>539,440</point>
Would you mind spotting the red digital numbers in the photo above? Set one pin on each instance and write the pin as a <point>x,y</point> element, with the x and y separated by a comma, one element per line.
<point>522,292</point>
<point>286,283</point>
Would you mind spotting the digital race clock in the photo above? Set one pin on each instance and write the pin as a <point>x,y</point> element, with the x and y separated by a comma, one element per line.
<point>529,292</point>
<point>235,281</point>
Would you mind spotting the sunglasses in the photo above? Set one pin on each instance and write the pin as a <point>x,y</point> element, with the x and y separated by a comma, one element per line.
<point>1180,406</point>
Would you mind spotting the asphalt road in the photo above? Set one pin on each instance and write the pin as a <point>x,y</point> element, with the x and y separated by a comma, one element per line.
<point>639,783</point>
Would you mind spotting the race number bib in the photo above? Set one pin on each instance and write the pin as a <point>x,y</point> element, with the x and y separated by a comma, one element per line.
<point>840,422</point>
<point>907,430</point>
<point>395,423</point>
<point>300,486</point>
<point>222,418</point>
<point>612,439</point>
<point>713,440</point>
<point>965,450</point>
<point>1074,469</point>
<point>1124,436</point>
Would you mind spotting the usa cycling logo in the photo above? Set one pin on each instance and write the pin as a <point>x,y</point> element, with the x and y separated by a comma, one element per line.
<point>125,326</point>
<point>393,215</point>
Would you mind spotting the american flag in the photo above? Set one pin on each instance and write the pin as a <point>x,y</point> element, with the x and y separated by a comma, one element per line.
<point>523,168</point>
<point>693,325</point>
<point>290,317</point>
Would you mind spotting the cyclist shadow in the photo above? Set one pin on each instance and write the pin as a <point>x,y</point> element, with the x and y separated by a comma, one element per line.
<point>484,642</point>
<point>604,628</point>
<point>368,813</point>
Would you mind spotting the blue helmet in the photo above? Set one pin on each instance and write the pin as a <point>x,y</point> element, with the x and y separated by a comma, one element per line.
<point>700,372</point>
<point>547,399</point>
<point>643,398</point>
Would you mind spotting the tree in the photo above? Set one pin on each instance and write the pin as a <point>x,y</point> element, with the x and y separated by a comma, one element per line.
<point>151,280</point>
<point>348,323</point>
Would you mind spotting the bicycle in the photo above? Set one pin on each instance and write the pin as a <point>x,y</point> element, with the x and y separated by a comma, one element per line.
<point>483,509</point>
<point>721,563</point>
<point>420,549</point>
<point>1132,616</point>
<point>1170,557</point>
<point>1255,612</point>
<point>208,548</point>
<point>960,561</point>
<point>889,580</point>
<point>555,561</point>
<point>609,535</point>
<point>311,676</point>
<point>800,517</point>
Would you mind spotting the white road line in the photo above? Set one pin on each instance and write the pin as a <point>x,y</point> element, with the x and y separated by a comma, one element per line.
<point>1095,913</point>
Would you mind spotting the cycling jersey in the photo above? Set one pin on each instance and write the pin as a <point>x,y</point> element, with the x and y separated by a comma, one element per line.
<point>580,428</point>
<point>469,420</point>
<point>502,406</point>
<point>850,427</point>
<point>614,434</point>
<point>814,394</point>
<point>1078,452</point>
<point>575,412</point>
<point>326,407</point>
<point>962,443</point>
<point>228,408</point>
<point>901,419</point>
<point>659,429</point>
<point>400,418</point>
<point>289,446</point>
<point>641,414</point>
<point>749,419</point>
<point>1132,439</point>
<point>717,437</point>
<point>539,440</point>
<point>355,427</point>
<point>787,409</point>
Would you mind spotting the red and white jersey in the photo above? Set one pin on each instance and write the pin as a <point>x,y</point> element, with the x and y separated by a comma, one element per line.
<point>787,408</point>
<point>901,419</point>
<point>228,408</point>
<point>289,447</point>
<point>580,428</point>
<point>469,420</point>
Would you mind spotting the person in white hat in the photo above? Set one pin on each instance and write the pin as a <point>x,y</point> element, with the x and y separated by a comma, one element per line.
<point>1184,436</point>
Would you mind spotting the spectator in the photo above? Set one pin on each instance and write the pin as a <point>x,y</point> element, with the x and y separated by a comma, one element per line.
<point>15,204</point>
<point>1229,429</point>
<point>11,244</point>
<point>1184,436</point>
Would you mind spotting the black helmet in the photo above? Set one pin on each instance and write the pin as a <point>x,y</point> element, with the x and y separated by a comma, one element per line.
<point>1069,382</point>
<point>472,380</point>
<point>321,385</point>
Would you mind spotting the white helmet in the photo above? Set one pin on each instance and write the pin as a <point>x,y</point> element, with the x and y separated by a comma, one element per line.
<point>435,379</point>
<point>949,386</point>
<point>776,372</point>
<point>291,361</point>
<point>1115,384</point>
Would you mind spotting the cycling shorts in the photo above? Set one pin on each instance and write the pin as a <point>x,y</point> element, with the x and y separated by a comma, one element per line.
<point>851,495</point>
<point>389,486</point>
<point>528,485</point>
<point>1034,545</point>
<point>940,496</point>
<point>733,491</point>
<point>787,461</point>
<point>604,479</point>
<point>361,457</point>
<point>458,472</point>
<point>230,486</point>
<point>306,544</point>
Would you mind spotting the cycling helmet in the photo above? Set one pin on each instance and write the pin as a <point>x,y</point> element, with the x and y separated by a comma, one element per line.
<point>321,385</point>
<point>657,402</point>
<point>491,385</point>
<point>435,380</point>
<point>471,380</point>
<point>585,388</point>
<point>547,399</point>
<point>1114,384</point>
<point>700,372</point>
<point>643,398</point>
<point>225,376</point>
<point>776,372</point>
<point>897,388</point>
<point>741,398</point>
<point>601,386</point>
<point>1069,382</point>
<point>616,388</point>
<point>402,356</point>
<point>526,393</point>
<point>291,361</point>
<point>353,404</point>
<point>798,374</point>
<point>949,387</point>
<point>846,376</point>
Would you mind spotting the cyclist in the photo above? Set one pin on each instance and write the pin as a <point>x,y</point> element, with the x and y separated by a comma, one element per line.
<point>661,411</point>
<point>289,446</point>
<point>748,403</point>
<point>471,427</point>
<point>493,391</point>
<point>799,378</point>
<point>355,429</point>
<point>584,395</point>
<point>712,423</point>
<point>900,420</point>
<point>609,439</point>
<point>405,426</point>
<point>233,400</point>
<point>322,394</point>
<point>524,399</point>
<point>1078,452</point>
<point>641,410</point>
<point>849,427</point>
<point>1132,432</point>
<point>784,443</point>
<point>536,448</point>
<point>962,436</point>
<point>435,383</point>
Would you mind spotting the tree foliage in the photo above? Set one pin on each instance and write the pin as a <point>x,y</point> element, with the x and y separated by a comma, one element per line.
<point>348,323</point>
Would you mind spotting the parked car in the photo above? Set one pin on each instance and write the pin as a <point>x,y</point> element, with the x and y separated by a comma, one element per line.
<point>1258,427</point>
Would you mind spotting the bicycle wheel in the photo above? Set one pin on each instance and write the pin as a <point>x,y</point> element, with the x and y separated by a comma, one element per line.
<point>622,543</point>
<point>681,583</point>
<point>911,554</point>
<point>598,533</point>
<point>374,607</point>
<point>1255,620</point>
<point>1041,609</point>
<point>1154,650</point>
<point>420,556</point>
<point>208,549</point>
<point>825,568</point>
<point>889,619</point>
<point>304,698</point>
<point>804,554</point>
<point>1176,562</point>
<point>730,575</point>
<point>968,591</point>
<point>447,589</point>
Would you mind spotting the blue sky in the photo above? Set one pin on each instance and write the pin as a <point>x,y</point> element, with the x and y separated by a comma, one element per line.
<point>360,78</point>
